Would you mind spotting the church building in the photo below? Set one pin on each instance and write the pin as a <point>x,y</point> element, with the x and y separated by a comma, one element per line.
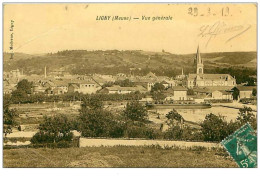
<point>208,80</point>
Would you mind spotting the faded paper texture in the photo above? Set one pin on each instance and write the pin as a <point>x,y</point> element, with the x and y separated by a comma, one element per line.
<point>127,84</point>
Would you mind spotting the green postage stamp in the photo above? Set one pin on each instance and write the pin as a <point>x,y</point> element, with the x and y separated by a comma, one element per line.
<point>242,146</point>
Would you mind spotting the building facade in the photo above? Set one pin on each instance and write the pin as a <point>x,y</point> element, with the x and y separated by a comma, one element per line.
<point>204,80</point>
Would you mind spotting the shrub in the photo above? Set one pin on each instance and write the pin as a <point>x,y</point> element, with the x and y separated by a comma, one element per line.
<point>174,133</point>
<point>174,116</point>
<point>53,130</point>
<point>246,115</point>
<point>135,111</point>
<point>134,131</point>
<point>214,128</point>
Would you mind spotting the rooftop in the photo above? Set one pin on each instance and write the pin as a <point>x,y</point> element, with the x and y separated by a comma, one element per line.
<point>246,88</point>
<point>210,76</point>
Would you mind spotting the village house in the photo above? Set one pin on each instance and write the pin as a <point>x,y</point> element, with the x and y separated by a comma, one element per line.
<point>176,93</point>
<point>38,87</point>
<point>147,83</point>
<point>181,77</point>
<point>9,85</point>
<point>212,92</point>
<point>203,80</point>
<point>57,86</point>
<point>84,86</point>
<point>147,98</point>
<point>245,91</point>
<point>222,95</point>
<point>116,89</point>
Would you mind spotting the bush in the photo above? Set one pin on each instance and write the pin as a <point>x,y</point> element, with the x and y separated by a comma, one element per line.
<point>98,123</point>
<point>174,133</point>
<point>141,132</point>
<point>246,115</point>
<point>135,111</point>
<point>174,116</point>
<point>214,128</point>
<point>178,132</point>
<point>53,130</point>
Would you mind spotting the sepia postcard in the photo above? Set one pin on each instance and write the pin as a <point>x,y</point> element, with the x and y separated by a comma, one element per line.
<point>129,85</point>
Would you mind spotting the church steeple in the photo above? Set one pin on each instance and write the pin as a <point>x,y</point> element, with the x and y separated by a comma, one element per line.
<point>199,62</point>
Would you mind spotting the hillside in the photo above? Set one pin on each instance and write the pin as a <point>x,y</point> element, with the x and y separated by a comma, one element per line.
<point>114,61</point>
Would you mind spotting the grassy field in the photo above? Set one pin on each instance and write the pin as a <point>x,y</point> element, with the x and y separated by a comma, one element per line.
<point>120,156</point>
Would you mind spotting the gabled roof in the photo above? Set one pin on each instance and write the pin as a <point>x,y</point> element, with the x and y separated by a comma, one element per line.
<point>210,76</point>
<point>84,81</point>
<point>60,83</point>
<point>145,80</point>
<point>246,88</point>
<point>178,88</point>
<point>117,88</point>
<point>175,88</point>
<point>150,74</point>
<point>164,82</point>
<point>74,85</point>
<point>223,92</point>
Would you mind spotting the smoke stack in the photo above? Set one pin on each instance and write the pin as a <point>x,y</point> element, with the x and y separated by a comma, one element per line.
<point>45,72</point>
<point>182,71</point>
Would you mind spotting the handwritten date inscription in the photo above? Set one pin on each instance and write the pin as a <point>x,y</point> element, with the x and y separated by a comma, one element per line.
<point>194,11</point>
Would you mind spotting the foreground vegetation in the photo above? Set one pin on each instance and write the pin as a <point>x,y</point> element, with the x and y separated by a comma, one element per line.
<point>120,156</point>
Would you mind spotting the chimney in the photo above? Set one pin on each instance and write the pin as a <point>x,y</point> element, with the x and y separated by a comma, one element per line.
<point>45,72</point>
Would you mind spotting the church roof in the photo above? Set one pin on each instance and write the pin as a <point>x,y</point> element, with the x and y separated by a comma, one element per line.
<point>210,76</point>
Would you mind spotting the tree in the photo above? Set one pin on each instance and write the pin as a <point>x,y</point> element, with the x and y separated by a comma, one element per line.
<point>9,116</point>
<point>135,111</point>
<point>235,93</point>
<point>214,128</point>
<point>245,115</point>
<point>54,129</point>
<point>174,116</point>
<point>25,86</point>
<point>158,96</point>
<point>19,96</point>
<point>124,83</point>
<point>254,92</point>
<point>94,121</point>
<point>91,103</point>
<point>174,133</point>
<point>158,87</point>
<point>190,92</point>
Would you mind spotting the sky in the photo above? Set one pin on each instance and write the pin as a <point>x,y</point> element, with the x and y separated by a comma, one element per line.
<point>45,28</point>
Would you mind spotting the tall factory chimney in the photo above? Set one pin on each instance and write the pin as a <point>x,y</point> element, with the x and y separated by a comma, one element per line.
<point>45,72</point>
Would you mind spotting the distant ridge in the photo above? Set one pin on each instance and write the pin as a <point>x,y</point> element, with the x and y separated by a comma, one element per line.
<point>111,61</point>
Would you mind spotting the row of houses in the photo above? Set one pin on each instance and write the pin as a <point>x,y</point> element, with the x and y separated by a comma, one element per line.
<point>179,93</point>
<point>54,85</point>
<point>90,85</point>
